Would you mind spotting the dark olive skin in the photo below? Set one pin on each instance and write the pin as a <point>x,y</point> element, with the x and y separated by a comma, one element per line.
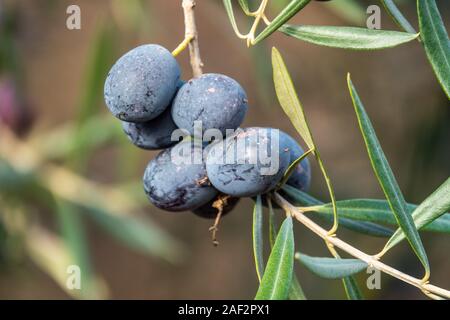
<point>216,100</point>
<point>152,135</point>
<point>178,186</point>
<point>142,83</point>
<point>155,134</point>
<point>243,177</point>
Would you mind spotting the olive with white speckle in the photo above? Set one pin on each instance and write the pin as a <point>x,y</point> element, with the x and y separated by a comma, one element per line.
<point>248,163</point>
<point>142,83</point>
<point>216,100</point>
<point>176,179</point>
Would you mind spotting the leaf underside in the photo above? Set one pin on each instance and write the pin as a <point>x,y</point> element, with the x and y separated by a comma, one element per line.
<point>435,40</point>
<point>351,38</point>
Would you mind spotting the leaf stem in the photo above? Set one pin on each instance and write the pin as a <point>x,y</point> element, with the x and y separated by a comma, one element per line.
<point>290,170</point>
<point>430,290</point>
<point>397,16</point>
<point>182,46</point>
<point>334,228</point>
<point>258,14</point>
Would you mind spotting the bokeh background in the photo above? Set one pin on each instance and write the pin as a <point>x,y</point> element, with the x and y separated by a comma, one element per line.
<point>70,182</point>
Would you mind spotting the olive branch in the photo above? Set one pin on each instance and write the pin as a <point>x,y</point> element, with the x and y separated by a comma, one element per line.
<point>276,278</point>
<point>28,170</point>
<point>190,38</point>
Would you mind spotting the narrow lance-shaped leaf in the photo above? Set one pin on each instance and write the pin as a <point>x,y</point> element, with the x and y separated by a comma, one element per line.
<point>244,6</point>
<point>296,291</point>
<point>336,268</point>
<point>397,16</point>
<point>272,226</point>
<point>351,288</point>
<point>258,237</point>
<point>351,38</point>
<point>363,227</point>
<point>290,170</point>
<point>300,198</point>
<point>331,268</point>
<point>435,40</point>
<point>229,9</point>
<point>429,210</point>
<point>387,180</point>
<point>377,211</point>
<point>291,105</point>
<point>287,96</point>
<point>288,12</point>
<point>276,282</point>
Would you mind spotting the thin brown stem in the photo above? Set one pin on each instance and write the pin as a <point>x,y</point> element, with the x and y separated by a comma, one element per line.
<point>192,34</point>
<point>429,289</point>
<point>219,204</point>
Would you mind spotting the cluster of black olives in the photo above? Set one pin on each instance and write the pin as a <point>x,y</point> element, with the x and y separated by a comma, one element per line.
<point>144,90</point>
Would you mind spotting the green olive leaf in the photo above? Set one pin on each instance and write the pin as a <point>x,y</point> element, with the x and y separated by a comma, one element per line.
<point>301,198</point>
<point>258,237</point>
<point>229,9</point>
<point>296,291</point>
<point>348,37</point>
<point>351,289</point>
<point>435,40</point>
<point>387,179</point>
<point>291,105</point>
<point>287,96</point>
<point>290,170</point>
<point>397,16</point>
<point>288,12</point>
<point>377,211</point>
<point>272,226</point>
<point>336,268</point>
<point>331,268</point>
<point>276,282</point>
<point>244,6</point>
<point>428,211</point>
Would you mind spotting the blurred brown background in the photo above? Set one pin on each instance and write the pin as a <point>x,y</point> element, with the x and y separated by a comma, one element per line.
<point>407,106</point>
